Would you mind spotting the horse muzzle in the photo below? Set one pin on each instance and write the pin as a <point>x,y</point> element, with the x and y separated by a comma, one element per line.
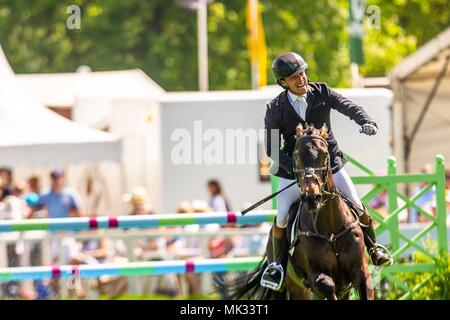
<point>312,201</point>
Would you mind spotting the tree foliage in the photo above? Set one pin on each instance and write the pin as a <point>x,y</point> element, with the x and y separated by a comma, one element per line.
<point>431,285</point>
<point>160,37</point>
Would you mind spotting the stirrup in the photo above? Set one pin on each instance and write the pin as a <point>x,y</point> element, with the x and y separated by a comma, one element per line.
<point>378,246</point>
<point>275,267</point>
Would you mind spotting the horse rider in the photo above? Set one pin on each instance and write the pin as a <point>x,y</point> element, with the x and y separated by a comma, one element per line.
<point>303,102</point>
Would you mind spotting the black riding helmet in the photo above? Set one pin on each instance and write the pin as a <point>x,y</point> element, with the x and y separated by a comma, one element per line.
<point>287,64</point>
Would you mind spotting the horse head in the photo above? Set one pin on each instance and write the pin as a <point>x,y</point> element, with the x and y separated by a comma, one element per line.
<point>312,160</point>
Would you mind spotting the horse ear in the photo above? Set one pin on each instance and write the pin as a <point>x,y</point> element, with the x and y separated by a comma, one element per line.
<point>299,130</point>
<point>324,131</point>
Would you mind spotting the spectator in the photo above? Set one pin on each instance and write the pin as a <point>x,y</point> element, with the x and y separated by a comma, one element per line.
<point>188,247</point>
<point>12,207</point>
<point>95,251</point>
<point>427,201</point>
<point>217,200</point>
<point>151,248</point>
<point>59,202</point>
<point>139,205</point>
<point>379,203</point>
<point>219,247</point>
<point>192,244</point>
<point>137,198</point>
<point>34,191</point>
<point>5,182</point>
<point>31,197</point>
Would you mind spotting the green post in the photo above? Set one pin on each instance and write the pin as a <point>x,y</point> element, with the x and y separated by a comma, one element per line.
<point>392,204</point>
<point>274,180</point>
<point>441,214</point>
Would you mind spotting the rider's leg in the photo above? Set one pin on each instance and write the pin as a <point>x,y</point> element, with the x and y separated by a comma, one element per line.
<point>273,275</point>
<point>285,200</point>
<point>378,253</point>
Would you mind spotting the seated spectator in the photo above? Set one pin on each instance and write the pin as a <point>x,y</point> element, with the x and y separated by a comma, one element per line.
<point>151,248</point>
<point>185,248</point>
<point>95,251</point>
<point>138,201</point>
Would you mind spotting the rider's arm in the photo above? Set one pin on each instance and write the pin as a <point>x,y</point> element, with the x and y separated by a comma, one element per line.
<point>272,132</point>
<point>349,108</point>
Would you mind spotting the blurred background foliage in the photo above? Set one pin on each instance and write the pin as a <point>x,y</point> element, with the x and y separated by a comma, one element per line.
<point>160,37</point>
<point>430,285</point>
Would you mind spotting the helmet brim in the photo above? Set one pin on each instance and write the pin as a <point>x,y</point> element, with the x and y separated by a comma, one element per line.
<point>299,70</point>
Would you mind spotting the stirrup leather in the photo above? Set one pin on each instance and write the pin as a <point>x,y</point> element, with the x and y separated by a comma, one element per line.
<point>384,250</point>
<point>272,268</point>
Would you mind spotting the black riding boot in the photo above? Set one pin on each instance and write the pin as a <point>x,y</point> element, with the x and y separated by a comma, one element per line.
<point>273,275</point>
<point>379,254</point>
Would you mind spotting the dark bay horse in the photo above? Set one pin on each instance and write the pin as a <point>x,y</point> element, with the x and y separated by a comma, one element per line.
<point>327,256</point>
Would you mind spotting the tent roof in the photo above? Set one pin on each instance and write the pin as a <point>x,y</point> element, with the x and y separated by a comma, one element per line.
<point>427,58</point>
<point>265,93</point>
<point>62,89</point>
<point>30,134</point>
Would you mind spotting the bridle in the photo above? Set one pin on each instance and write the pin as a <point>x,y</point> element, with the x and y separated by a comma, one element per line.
<point>325,193</point>
<point>310,172</point>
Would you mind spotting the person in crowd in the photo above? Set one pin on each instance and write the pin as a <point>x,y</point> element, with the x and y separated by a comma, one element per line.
<point>219,247</point>
<point>96,251</point>
<point>427,201</point>
<point>6,180</point>
<point>13,207</point>
<point>217,200</point>
<point>32,195</point>
<point>188,248</point>
<point>138,201</point>
<point>59,201</point>
<point>151,248</point>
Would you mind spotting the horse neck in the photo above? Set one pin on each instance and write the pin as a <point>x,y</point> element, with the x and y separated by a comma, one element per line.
<point>333,215</point>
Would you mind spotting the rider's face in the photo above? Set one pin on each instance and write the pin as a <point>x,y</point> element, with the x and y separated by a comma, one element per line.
<point>297,84</point>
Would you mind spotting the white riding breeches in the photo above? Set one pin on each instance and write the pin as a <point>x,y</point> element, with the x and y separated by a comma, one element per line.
<point>285,199</point>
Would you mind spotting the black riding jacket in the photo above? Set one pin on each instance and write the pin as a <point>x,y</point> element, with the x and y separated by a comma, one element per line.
<point>320,99</point>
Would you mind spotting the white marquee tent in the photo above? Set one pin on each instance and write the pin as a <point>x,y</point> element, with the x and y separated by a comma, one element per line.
<point>32,135</point>
<point>421,112</point>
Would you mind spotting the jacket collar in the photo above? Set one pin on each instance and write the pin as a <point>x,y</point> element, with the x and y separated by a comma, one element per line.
<point>312,99</point>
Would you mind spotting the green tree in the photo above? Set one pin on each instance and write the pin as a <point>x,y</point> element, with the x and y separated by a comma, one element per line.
<point>160,37</point>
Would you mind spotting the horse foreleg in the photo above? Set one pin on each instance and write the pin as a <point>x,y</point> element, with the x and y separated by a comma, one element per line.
<point>363,283</point>
<point>324,286</point>
<point>296,291</point>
